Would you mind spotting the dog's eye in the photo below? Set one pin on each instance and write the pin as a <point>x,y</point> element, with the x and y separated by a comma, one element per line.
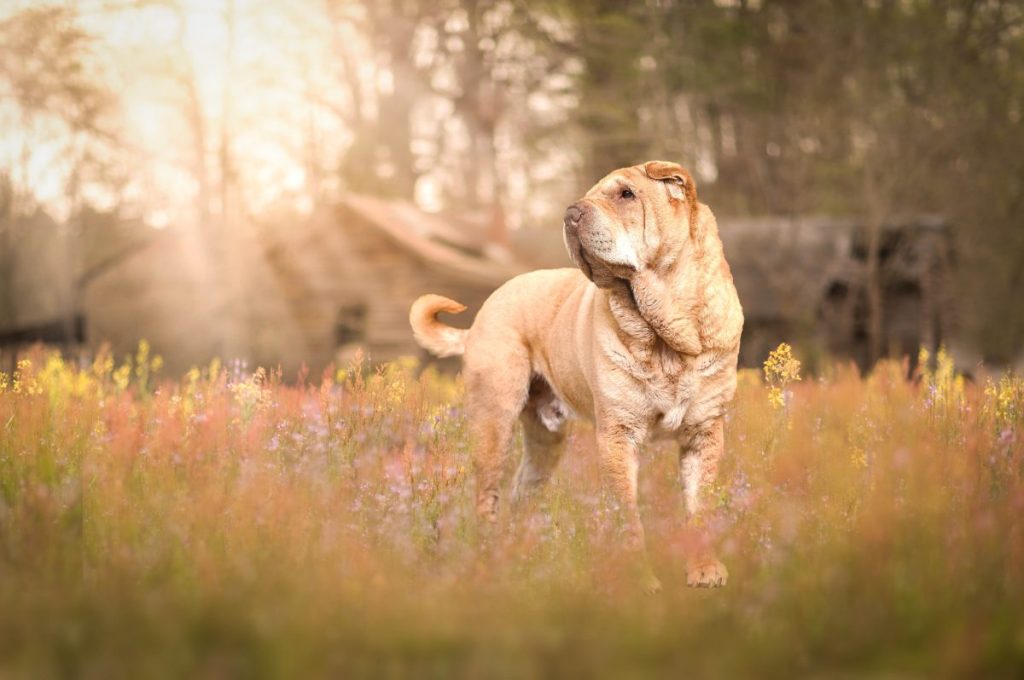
<point>627,193</point>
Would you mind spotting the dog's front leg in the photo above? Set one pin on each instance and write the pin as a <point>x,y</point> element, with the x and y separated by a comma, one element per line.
<point>699,461</point>
<point>618,449</point>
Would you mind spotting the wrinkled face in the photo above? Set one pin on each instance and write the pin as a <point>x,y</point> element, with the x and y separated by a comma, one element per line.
<point>634,219</point>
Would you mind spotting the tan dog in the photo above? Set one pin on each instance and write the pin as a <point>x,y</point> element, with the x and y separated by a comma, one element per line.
<point>644,342</point>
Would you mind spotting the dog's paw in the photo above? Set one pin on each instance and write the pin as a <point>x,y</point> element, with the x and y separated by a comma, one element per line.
<point>706,573</point>
<point>651,585</point>
<point>640,577</point>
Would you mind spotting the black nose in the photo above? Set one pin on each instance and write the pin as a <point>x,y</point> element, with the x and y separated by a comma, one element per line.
<point>573,215</point>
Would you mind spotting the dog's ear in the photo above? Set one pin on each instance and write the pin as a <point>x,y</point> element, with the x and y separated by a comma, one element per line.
<point>677,179</point>
<point>679,183</point>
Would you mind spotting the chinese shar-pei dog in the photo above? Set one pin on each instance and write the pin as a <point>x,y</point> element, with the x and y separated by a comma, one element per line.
<point>642,338</point>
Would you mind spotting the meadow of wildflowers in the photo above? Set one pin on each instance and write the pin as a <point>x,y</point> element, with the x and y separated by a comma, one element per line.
<point>232,522</point>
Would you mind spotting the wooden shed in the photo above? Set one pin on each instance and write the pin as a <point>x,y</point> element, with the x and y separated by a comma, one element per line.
<point>348,276</point>
<point>804,280</point>
<point>303,292</point>
<point>309,291</point>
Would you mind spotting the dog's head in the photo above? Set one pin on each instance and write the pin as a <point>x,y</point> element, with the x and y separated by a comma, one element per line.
<point>636,218</point>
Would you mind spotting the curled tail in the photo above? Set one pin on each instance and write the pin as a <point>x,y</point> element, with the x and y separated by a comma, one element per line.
<point>437,338</point>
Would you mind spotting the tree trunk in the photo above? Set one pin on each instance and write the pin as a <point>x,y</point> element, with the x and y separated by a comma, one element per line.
<point>8,260</point>
<point>394,125</point>
<point>872,271</point>
<point>69,233</point>
<point>608,112</point>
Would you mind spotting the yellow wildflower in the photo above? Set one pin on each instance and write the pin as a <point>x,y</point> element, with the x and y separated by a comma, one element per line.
<point>122,376</point>
<point>780,369</point>
<point>142,358</point>
<point>214,370</point>
<point>25,380</point>
<point>1005,400</point>
<point>102,365</point>
<point>251,395</point>
<point>942,385</point>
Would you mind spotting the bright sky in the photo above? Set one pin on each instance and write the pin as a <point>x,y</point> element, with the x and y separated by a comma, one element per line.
<point>279,66</point>
<point>280,93</point>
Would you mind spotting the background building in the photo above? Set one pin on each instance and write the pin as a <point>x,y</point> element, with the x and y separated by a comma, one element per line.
<point>310,292</point>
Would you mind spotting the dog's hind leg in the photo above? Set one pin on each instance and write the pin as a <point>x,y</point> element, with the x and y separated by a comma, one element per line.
<point>544,425</point>
<point>496,390</point>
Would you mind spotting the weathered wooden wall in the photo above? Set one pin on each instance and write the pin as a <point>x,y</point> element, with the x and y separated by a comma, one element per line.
<point>341,261</point>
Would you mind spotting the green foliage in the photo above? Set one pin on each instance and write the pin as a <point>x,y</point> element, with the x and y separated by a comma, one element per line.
<point>876,109</point>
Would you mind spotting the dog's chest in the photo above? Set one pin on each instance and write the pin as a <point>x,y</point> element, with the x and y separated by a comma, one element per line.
<point>682,390</point>
<point>670,389</point>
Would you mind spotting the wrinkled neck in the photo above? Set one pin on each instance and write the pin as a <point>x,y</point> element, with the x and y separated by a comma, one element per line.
<point>671,306</point>
<point>670,303</point>
<point>650,311</point>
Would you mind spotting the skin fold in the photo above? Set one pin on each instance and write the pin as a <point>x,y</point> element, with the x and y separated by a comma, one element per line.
<point>642,338</point>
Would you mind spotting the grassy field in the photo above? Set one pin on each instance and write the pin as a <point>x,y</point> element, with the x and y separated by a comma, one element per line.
<point>230,524</point>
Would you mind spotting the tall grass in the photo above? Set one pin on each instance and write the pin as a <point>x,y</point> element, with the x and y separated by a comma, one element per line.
<point>229,523</point>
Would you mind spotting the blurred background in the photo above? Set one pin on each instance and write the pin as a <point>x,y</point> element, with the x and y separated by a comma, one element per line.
<point>276,180</point>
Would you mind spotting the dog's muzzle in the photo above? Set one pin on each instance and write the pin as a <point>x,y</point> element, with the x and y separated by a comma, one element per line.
<point>571,230</point>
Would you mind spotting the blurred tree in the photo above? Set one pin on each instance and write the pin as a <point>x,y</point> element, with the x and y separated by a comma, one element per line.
<point>59,104</point>
<point>611,43</point>
<point>783,107</point>
<point>879,109</point>
<point>379,108</point>
<point>450,80</point>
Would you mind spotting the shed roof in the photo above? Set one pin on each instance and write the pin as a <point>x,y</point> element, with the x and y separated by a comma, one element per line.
<point>433,240</point>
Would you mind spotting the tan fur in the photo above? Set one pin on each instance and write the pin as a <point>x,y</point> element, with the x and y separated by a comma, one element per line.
<point>437,338</point>
<point>643,341</point>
